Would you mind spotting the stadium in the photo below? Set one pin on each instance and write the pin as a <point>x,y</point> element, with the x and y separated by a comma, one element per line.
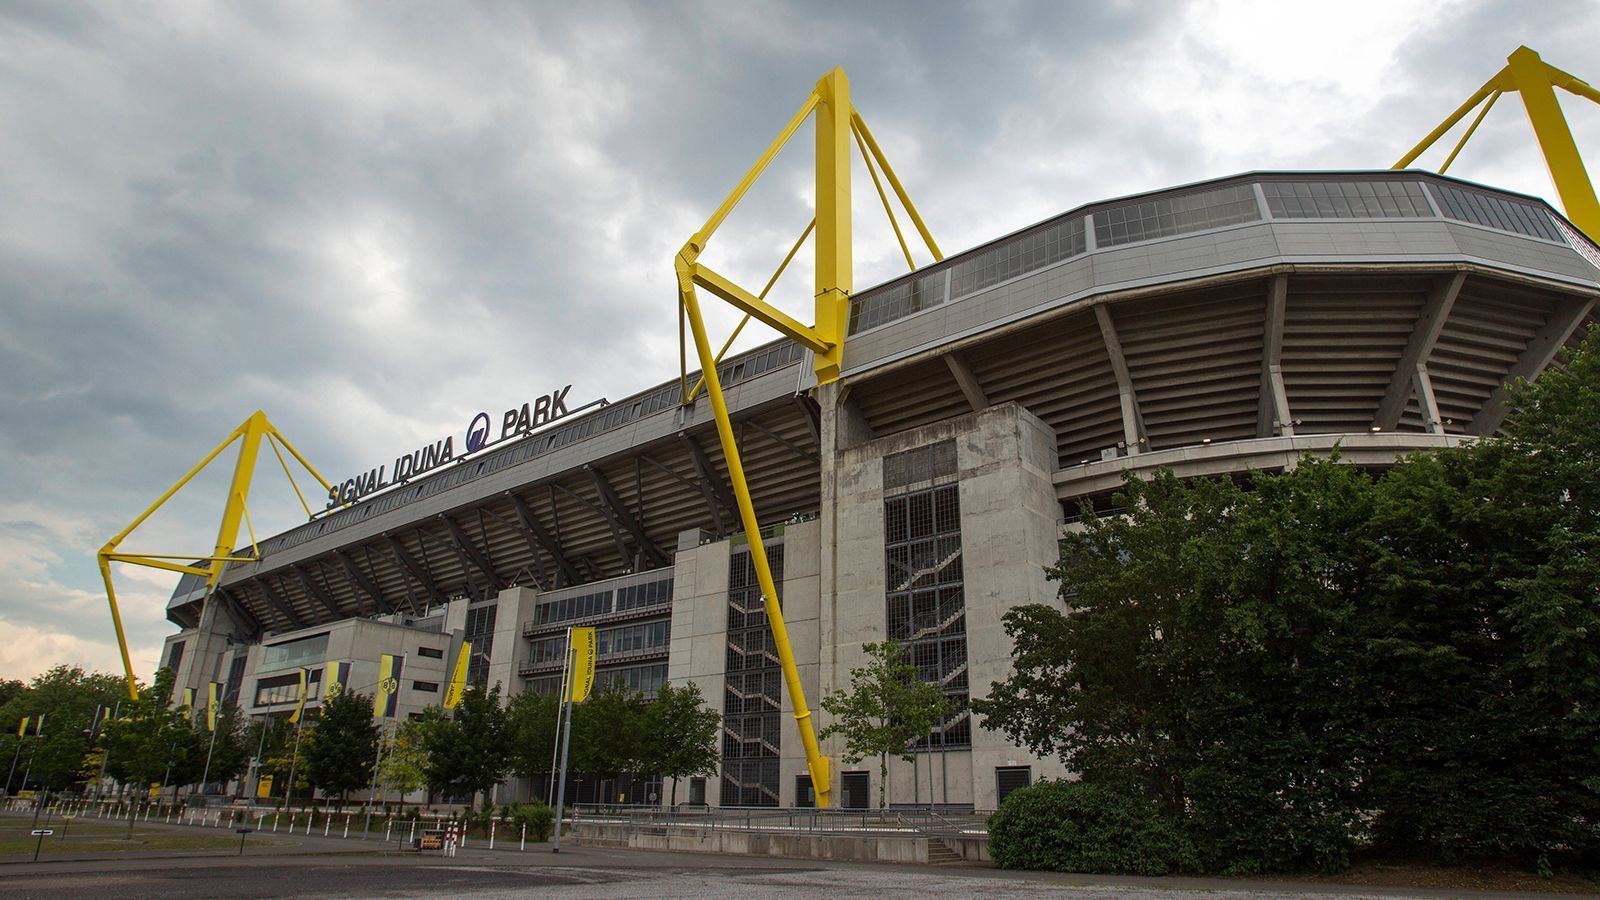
<point>1212,329</point>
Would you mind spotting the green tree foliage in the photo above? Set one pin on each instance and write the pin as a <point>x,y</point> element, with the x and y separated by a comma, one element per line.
<point>405,758</point>
<point>343,746</point>
<point>531,718</point>
<point>887,708</point>
<point>1301,664</point>
<point>608,736</point>
<point>470,751</point>
<point>150,738</point>
<point>1070,826</point>
<point>538,818</point>
<point>68,698</point>
<point>680,735</point>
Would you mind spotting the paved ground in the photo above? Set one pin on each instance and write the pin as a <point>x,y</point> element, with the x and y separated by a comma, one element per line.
<point>330,868</point>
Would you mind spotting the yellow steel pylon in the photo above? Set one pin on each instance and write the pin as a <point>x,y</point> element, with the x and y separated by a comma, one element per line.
<point>836,123</point>
<point>250,435</point>
<point>1526,74</point>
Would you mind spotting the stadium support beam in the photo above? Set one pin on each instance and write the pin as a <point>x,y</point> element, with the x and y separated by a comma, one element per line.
<point>1564,319</point>
<point>419,574</point>
<point>318,592</point>
<point>619,516</point>
<point>360,580</point>
<point>238,611</point>
<point>467,548</point>
<point>250,434</point>
<point>1411,374</point>
<point>539,538</point>
<point>1132,418</point>
<point>837,121</point>
<point>1273,416</point>
<point>718,497</point>
<point>277,601</point>
<point>968,382</point>
<point>794,448</point>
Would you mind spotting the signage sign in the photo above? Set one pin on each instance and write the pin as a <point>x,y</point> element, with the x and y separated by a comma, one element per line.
<point>514,423</point>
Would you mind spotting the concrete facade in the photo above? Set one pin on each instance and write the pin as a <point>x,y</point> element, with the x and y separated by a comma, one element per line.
<point>1209,329</point>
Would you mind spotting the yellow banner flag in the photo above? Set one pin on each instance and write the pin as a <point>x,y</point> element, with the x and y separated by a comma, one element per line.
<point>213,704</point>
<point>386,700</point>
<point>188,697</point>
<point>300,704</point>
<point>580,680</point>
<point>22,727</point>
<point>458,678</point>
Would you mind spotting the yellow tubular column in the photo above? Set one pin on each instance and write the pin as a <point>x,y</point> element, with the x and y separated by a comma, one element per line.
<point>1532,78</point>
<point>254,429</point>
<point>815,761</point>
<point>834,262</point>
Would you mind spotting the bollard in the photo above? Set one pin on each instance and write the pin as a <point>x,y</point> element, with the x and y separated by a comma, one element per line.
<point>523,843</point>
<point>346,825</point>
<point>412,834</point>
<point>493,827</point>
<point>327,823</point>
<point>387,825</point>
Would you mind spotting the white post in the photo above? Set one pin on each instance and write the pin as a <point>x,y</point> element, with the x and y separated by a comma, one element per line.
<point>523,843</point>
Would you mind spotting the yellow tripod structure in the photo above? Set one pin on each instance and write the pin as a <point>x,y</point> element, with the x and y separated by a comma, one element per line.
<point>837,122</point>
<point>1526,74</point>
<point>249,435</point>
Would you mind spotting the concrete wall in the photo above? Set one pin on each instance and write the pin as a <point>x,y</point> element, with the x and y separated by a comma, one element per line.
<point>699,644</point>
<point>1005,459</point>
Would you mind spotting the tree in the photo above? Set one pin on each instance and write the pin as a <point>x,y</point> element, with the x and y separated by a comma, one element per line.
<point>469,752</point>
<point>1292,664</point>
<point>607,733</point>
<point>885,711</point>
<point>343,746</point>
<point>68,698</point>
<point>680,733</point>
<point>229,756</point>
<point>149,738</point>
<point>405,758</point>
<point>1206,657</point>
<point>531,719</point>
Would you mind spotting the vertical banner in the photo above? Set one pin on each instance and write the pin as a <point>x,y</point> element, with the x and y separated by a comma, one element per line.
<point>338,680</point>
<point>458,677</point>
<point>387,697</point>
<point>38,725</point>
<point>188,698</point>
<point>581,679</point>
<point>22,727</point>
<point>300,703</point>
<point>213,705</point>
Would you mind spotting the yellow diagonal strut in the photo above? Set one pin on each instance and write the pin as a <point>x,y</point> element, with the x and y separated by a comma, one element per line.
<point>1535,80</point>
<point>249,434</point>
<point>837,122</point>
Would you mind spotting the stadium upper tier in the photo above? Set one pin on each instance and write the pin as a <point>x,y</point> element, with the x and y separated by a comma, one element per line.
<point>1228,322</point>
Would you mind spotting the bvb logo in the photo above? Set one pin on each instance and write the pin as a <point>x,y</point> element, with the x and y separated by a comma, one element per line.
<point>335,690</point>
<point>391,685</point>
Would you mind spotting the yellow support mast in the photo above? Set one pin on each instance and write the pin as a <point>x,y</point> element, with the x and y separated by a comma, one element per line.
<point>1535,80</point>
<point>837,122</point>
<point>250,435</point>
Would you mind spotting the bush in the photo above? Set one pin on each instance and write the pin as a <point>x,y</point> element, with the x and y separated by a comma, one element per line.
<point>539,819</point>
<point>1070,826</point>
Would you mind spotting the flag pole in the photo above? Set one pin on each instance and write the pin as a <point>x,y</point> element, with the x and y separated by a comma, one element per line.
<point>566,743</point>
<point>561,708</point>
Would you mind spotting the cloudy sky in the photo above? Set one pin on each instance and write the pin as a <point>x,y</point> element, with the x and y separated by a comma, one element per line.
<point>373,220</point>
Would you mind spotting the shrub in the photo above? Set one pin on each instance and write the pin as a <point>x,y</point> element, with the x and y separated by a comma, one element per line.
<point>539,818</point>
<point>1070,826</point>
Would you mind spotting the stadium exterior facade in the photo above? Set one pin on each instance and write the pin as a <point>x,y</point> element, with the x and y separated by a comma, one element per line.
<point>1213,328</point>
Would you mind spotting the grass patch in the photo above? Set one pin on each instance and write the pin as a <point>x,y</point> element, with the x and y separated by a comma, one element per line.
<point>108,836</point>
